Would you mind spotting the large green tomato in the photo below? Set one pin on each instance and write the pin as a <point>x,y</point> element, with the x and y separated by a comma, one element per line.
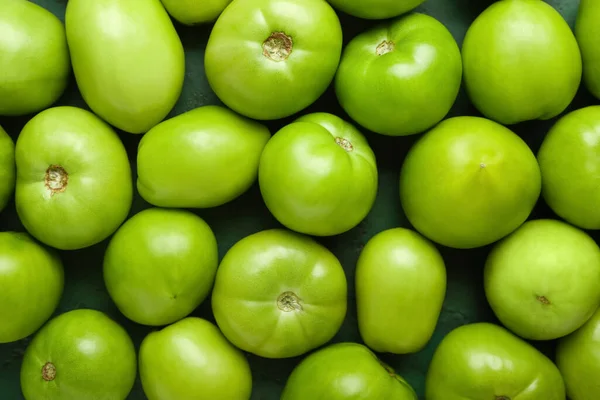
<point>32,282</point>
<point>192,360</point>
<point>375,9</point>
<point>400,77</point>
<point>279,294</point>
<point>400,287</point>
<point>127,58</point>
<point>7,168</point>
<point>578,359</point>
<point>81,354</point>
<point>345,371</point>
<point>483,361</point>
<point>587,32</point>
<point>34,59</point>
<point>74,184</point>
<point>570,166</point>
<point>521,62</point>
<point>160,265</point>
<point>469,182</point>
<point>269,59</point>
<point>194,12</point>
<point>543,281</point>
<point>175,156</point>
<point>318,175</point>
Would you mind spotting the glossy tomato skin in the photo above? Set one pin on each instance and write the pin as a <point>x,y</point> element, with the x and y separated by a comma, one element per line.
<point>345,371</point>
<point>74,186</point>
<point>587,32</point>
<point>485,361</point>
<point>32,281</point>
<point>7,168</point>
<point>195,12</point>
<point>173,158</point>
<point>400,77</point>
<point>375,9</point>
<point>129,70</point>
<point>318,175</point>
<point>192,360</point>
<point>81,354</point>
<point>279,294</point>
<point>35,61</point>
<point>258,80</point>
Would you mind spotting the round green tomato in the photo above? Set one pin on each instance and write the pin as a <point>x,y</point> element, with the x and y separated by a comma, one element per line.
<point>543,281</point>
<point>81,354</point>
<point>469,182</point>
<point>570,166</point>
<point>7,168</point>
<point>160,265</point>
<point>74,186</point>
<point>578,359</point>
<point>173,158</point>
<point>345,371</point>
<point>192,360</point>
<point>375,9</point>
<point>268,59</point>
<point>32,282</point>
<point>400,77</point>
<point>35,60</point>
<point>279,294</point>
<point>194,12</point>
<point>318,175</point>
<point>521,62</point>
<point>587,32</point>
<point>482,361</point>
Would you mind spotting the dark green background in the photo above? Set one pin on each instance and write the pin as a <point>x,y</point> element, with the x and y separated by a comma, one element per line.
<point>465,301</point>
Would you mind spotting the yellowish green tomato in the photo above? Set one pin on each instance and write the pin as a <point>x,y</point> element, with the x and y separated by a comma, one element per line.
<point>7,168</point>
<point>587,32</point>
<point>195,12</point>
<point>375,9</point>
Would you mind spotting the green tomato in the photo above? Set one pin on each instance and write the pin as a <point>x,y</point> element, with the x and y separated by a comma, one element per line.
<point>578,359</point>
<point>375,9</point>
<point>483,361</point>
<point>521,62</point>
<point>587,32</point>
<point>160,265</point>
<point>74,186</point>
<point>127,58</point>
<point>7,168</point>
<point>192,360</point>
<point>318,175</point>
<point>35,60</point>
<point>345,371</point>
<point>194,12</point>
<point>543,281</point>
<point>469,182</point>
<point>268,59</point>
<point>173,158</point>
<point>32,281</point>
<point>570,166</point>
<point>400,287</point>
<point>400,77</point>
<point>279,294</point>
<point>81,354</point>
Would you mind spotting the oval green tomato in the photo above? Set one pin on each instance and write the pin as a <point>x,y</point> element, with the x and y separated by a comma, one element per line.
<point>202,158</point>
<point>32,282</point>
<point>268,59</point>
<point>74,185</point>
<point>521,62</point>
<point>35,61</point>
<point>127,59</point>
<point>345,371</point>
<point>587,32</point>
<point>469,182</point>
<point>279,294</point>
<point>192,360</point>
<point>400,287</point>
<point>160,265</point>
<point>482,361</point>
<point>375,9</point>
<point>7,168</point>
<point>81,354</point>
<point>194,12</point>
<point>318,175</point>
<point>400,77</point>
